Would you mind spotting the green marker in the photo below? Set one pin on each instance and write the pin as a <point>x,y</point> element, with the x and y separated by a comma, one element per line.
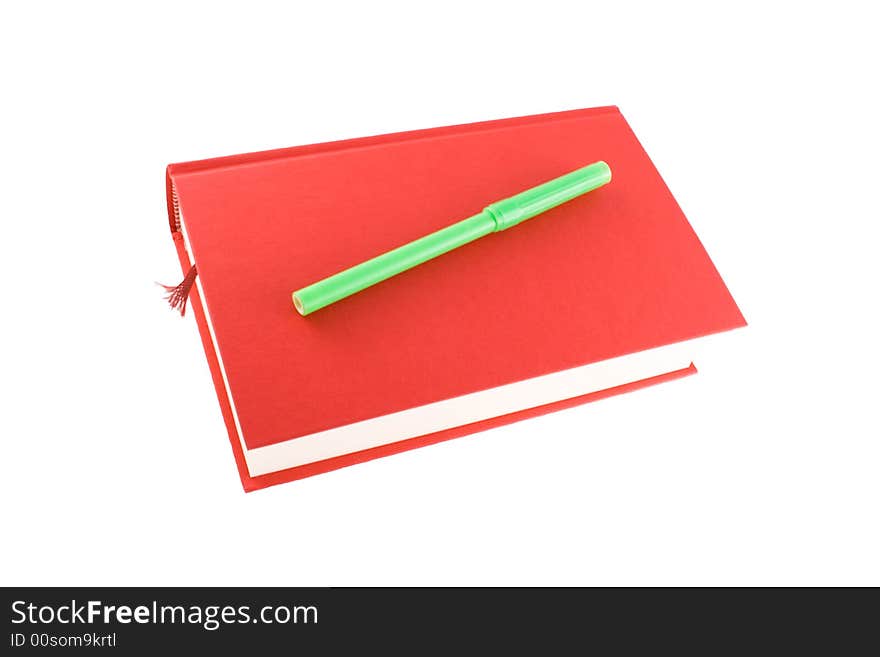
<point>497,216</point>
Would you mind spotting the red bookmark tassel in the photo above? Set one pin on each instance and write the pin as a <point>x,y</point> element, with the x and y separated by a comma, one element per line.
<point>178,294</point>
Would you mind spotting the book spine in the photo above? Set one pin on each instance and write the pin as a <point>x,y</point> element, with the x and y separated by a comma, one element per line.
<point>173,202</point>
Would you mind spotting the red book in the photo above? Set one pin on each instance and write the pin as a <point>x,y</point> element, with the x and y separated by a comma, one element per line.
<point>601,295</point>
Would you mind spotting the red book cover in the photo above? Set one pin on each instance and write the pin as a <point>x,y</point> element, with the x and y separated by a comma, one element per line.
<point>598,296</point>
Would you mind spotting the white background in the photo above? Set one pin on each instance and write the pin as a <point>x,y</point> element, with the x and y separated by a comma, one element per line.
<point>762,469</point>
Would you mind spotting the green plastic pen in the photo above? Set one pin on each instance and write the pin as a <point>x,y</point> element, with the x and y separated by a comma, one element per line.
<point>495,217</point>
